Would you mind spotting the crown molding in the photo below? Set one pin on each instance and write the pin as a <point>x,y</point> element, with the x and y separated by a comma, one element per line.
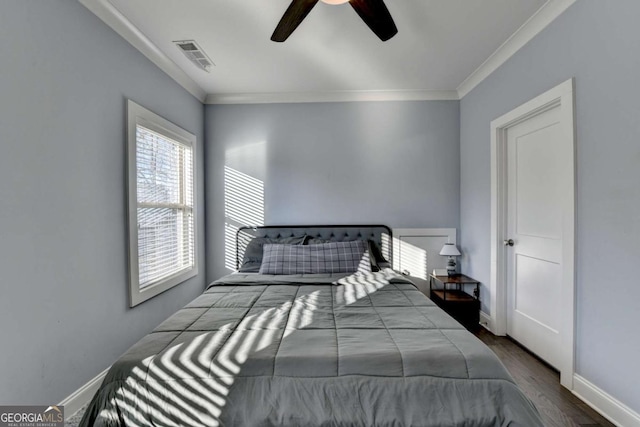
<point>111,16</point>
<point>337,96</point>
<point>531,28</point>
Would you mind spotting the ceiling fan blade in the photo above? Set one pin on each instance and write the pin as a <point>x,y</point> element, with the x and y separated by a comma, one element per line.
<point>375,14</point>
<point>295,14</point>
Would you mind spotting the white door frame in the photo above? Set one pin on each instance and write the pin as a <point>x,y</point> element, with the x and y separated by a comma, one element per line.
<point>562,96</point>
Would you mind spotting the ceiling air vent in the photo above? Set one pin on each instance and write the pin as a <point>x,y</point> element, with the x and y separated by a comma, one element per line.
<point>195,54</point>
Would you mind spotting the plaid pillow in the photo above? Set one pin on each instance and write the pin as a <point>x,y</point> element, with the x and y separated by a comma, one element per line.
<point>252,258</point>
<point>335,257</point>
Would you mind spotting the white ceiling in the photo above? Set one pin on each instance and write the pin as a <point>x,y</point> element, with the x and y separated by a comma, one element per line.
<point>439,44</point>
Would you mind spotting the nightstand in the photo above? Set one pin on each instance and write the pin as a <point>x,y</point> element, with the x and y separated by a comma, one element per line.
<point>448,293</point>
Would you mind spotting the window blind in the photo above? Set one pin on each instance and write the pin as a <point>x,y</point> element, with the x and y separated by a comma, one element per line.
<point>166,240</point>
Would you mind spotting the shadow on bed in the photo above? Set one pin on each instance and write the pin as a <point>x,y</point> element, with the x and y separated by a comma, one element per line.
<point>371,350</point>
<point>184,384</point>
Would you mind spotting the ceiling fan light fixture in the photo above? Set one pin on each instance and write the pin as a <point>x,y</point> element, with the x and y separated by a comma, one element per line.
<point>374,13</point>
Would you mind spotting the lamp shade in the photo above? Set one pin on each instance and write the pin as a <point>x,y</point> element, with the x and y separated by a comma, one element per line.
<point>449,249</point>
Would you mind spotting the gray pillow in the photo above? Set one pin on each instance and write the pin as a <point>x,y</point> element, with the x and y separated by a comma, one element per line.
<point>378,262</point>
<point>334,257</point>
<point>252,258</point>
<point>375,254</point>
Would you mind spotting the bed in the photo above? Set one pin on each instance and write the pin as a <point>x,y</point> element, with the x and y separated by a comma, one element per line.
<point>310,349</point>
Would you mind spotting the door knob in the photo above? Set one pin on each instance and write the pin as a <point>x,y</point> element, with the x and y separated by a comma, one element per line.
<point>508,242</point>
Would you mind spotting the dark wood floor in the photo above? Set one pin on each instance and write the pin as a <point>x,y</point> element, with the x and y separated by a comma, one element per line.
<point>558,406</point>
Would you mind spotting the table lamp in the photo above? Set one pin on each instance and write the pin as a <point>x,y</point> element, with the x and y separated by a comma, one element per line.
<point>450,250</point>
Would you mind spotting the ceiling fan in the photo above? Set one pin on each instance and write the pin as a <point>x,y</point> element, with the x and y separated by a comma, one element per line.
<point>374,13</point>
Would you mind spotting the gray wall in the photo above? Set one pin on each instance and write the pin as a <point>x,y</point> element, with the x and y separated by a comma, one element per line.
<point>64,315</point>
<point>395,163</point>
<point>597,43</point>
<point>63,300</point>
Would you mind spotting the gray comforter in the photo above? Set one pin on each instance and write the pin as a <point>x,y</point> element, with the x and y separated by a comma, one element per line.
<point>301,351</point>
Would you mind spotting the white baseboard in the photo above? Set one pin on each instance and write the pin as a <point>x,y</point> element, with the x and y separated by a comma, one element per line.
<point>485,321</point>
<point>608,406</point>
<point>83,395</point>
<point>602,402</point>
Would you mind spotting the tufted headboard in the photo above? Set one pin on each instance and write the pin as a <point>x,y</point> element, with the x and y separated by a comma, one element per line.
<point>380,234</point>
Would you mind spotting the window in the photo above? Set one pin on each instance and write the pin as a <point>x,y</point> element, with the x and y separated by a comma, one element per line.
<point>162,242</point>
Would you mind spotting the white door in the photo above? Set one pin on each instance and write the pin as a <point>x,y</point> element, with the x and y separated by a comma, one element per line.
<point>539,162</point>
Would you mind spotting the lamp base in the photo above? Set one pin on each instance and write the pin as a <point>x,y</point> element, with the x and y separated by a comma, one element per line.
<point>451,267</point>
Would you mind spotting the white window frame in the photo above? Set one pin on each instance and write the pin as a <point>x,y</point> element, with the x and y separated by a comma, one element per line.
<point>138,115</point>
